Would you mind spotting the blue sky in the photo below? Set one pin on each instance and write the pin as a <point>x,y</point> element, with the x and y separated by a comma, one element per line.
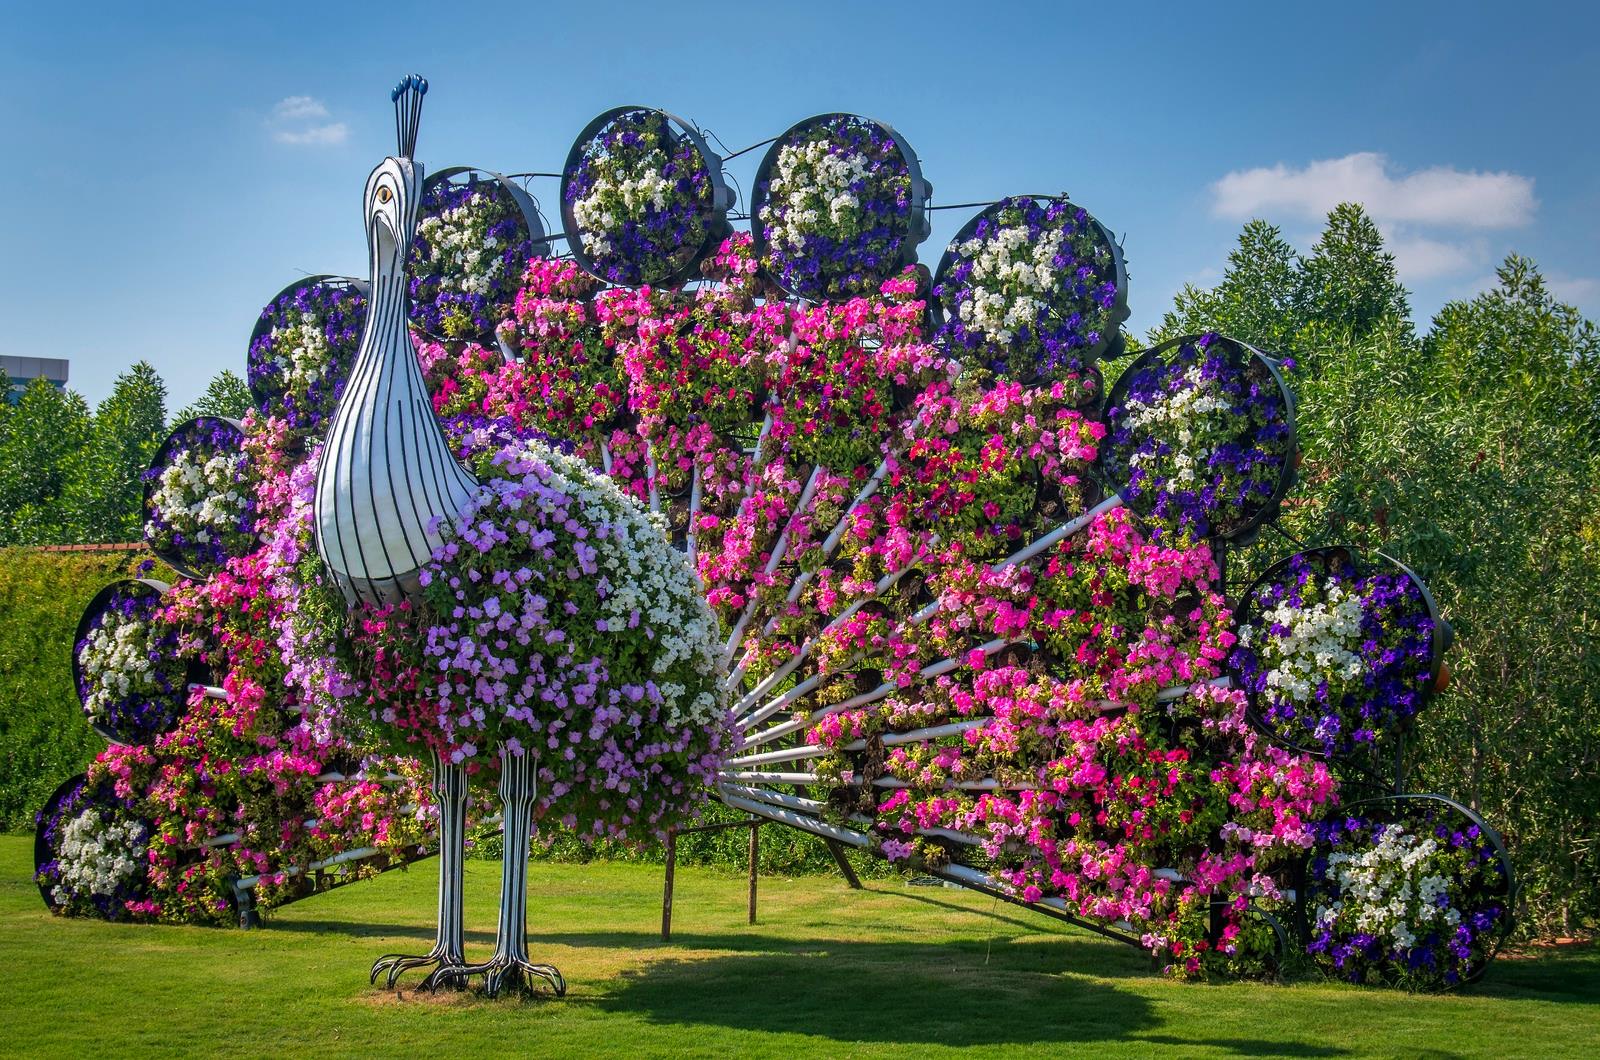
<point>168,167</point>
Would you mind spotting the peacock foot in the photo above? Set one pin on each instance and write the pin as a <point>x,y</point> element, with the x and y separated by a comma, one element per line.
<point>394,965</point>
<point>504,972</point>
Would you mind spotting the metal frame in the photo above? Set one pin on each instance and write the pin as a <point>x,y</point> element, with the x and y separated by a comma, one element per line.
<point>1508,871</point>
<point>198,673</point>
<point>41,849</point>
<point>921,225</point>
<point>1239,352</point>
<point>1111,345</point>
<point>170,558</point>
<point>321,279</point>
<point>716,219</point>
<point>1441,636</point>
<point>530,218</point>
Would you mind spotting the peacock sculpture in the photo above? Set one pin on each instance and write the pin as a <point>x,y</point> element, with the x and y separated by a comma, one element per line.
<point>923,562</point>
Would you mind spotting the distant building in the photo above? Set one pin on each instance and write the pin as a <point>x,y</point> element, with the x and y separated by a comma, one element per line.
<point>23,370</point>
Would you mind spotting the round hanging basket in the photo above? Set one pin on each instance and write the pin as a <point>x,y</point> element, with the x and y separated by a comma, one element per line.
<point>69,801</point>
<point>1148,410</point>
<point>146,713</point>
<point>1073,320</point>
<point>1468,867</point>
<point>866,241</point>
<point>1400,618</point>
<point>627,154</point>
<point>196,527</point>
<point>43,827</point>
<point>303,346</point>
<point>462,294</point>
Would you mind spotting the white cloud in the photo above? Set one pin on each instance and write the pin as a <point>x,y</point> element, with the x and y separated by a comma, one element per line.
<point>1441,195</point>
<point>1420,258</point>
<point>298,108</point>
<point>1581,291</point>
<point>332,133</point>
<point>300,120</point>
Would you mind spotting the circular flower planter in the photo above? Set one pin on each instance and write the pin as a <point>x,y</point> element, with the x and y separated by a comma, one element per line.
<point>1411,890</point>
<point>302,348</point>
<point>476,231</point>
<point>840,206</point>
<point>1201,437</point>
<point>89,852</point>
<point>199,508</point>
<point>643,199</point>
<point>1337,652</point>
<point>1032,287</point>
<point>130,677</point>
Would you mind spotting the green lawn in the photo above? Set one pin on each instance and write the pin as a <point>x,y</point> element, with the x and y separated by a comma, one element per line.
<point>892,969</point>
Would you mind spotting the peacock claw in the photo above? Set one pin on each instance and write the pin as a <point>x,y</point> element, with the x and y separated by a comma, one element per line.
<point>503,972</point>
<point>397,964</point>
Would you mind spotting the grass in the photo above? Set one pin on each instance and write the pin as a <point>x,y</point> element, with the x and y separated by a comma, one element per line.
<point>889,970</point>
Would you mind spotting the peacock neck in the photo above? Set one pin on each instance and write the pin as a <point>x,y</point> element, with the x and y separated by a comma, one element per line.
<point>388,479</point>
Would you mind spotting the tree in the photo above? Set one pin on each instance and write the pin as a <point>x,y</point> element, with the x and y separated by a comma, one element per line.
<point>1256,302</point>
<point>107,492</point>
<point>227,396</point>
<point>45,437</point>
<point>1347,284</point>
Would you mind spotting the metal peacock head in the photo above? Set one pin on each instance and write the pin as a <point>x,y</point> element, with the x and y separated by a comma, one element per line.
<point>394,189</point>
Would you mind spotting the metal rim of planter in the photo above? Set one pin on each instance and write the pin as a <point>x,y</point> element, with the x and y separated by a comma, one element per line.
<point>1239,353</point>
<point>167,556</point>
<point>919,225</point>
<point>1509,891</point>
<point>41,848</point>
<point>538,238</point>
<point>196,671</point>
<point>1111,342</point>
<point>1440,636</point>
<point>321,279</point>
<point>715,217</point>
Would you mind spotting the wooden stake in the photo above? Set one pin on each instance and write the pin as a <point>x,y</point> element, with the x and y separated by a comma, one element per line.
<point>666,891</point>
<point>755,857</point>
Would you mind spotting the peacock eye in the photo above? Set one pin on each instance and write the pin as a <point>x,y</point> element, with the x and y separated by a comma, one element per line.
<point>384,194</point>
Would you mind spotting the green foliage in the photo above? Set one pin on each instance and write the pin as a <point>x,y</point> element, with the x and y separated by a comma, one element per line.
<point>227,396</point>
<point>44,437</point>
<point>43,736</point>
<point>106,493</point>
<point>69,477</point>
<point>1471,456</point>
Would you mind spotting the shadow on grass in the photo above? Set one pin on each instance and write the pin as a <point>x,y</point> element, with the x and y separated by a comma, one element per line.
<point>367,929</point>
<point>1568,973</point>
<point>882,993</point>
<point>1248,1046</point>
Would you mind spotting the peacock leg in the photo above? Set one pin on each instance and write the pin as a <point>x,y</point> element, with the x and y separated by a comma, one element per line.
<point>450,796</point>
<point>510,966</point>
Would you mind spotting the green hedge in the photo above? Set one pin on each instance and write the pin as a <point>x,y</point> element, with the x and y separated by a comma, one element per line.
<point>43,736</point>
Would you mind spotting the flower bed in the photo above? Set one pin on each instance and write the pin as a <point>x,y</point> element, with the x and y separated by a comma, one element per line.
<point>642,201</point>
<point>1032,288</point>
<point>126,663</point>
<point>199,508</point>
<point>474,239</point>
<point>1336,657</point>
<point>1413,892</point>
<point>560,621</point>
<point>1202,436</point>
<point>838,207</point>
<point>90,853</point>
<point>302,348</point>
